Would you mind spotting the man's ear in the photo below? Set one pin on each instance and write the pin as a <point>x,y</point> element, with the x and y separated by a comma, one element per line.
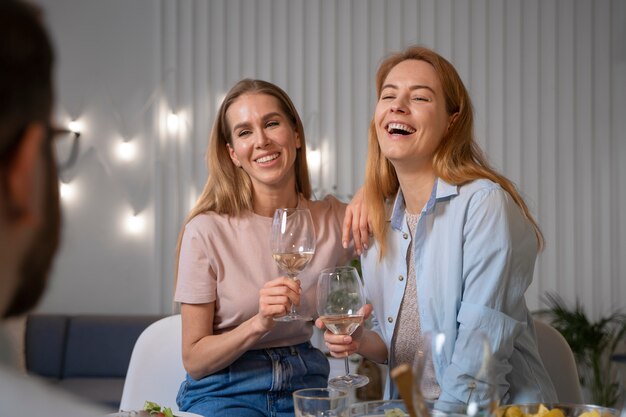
<point>233,156</point>
<point>22,175</point>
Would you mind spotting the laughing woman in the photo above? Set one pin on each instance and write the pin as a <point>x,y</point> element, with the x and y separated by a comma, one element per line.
<point>454,243</point>
<point>239,360</point>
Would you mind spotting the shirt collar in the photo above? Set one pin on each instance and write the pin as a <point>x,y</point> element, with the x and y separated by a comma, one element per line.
<point>441,190</point>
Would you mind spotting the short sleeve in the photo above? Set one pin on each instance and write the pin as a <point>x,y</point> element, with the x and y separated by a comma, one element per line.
<point>196,281</point>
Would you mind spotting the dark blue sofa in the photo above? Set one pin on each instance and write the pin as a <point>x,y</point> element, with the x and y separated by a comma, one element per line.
<point>87,355</point>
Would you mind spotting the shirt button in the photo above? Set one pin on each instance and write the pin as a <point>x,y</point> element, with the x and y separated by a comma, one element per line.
<point>405,235</point>
<point>390,319</point>
<point>400,277</point>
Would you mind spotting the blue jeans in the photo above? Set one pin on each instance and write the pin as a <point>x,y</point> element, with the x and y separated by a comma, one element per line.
<point>259,383</point>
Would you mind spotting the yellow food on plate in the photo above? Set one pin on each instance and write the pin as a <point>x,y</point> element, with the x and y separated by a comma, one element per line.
<point>394,412</point>
<point>556,411</point>
<point>513,411</point>
<point>592,413</point>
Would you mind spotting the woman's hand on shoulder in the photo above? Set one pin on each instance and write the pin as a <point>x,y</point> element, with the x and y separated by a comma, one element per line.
<point>275,299</point>
<point>356,220</point>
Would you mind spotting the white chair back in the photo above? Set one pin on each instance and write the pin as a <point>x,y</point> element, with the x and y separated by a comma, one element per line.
<point>156,370</point>
<point>559,361</point>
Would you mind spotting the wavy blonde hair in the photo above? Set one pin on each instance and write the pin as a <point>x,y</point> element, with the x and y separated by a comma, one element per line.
<point>228,189</point>
<point>457,160</point>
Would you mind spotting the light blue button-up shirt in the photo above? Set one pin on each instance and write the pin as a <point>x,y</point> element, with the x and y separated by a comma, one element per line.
<point>474,255</point>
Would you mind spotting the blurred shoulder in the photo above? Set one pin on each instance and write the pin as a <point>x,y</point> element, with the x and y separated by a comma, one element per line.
<point>328,204</point>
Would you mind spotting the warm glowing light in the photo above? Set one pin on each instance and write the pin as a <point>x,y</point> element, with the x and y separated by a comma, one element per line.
<point>126,151</point>
<point>75,126</point>
<point>314,159</point>
<point>173,122</point>
<point>67,191</point>
<point>135,224</point>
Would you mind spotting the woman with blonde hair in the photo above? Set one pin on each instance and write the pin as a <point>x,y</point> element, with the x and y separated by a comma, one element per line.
<point>454,243</point>
<point>239,360</point>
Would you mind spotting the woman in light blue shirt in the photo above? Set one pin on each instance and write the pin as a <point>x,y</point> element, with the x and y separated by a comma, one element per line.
<point>454,243</point>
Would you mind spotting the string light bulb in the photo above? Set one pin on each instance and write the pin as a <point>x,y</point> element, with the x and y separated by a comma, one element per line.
<point>135,224</point>
<point>67,191</point>
<point>126,151</point>
<point>173,122</point>
<point>75,126</point>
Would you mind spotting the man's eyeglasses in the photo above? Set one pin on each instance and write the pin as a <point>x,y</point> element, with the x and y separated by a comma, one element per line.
<point>55,133</point>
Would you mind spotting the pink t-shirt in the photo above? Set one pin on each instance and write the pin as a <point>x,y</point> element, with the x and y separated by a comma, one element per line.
<point>226,260</point>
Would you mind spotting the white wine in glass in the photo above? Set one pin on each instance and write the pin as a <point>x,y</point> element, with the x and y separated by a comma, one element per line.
<point>293,245</point>
<point>340,302</point>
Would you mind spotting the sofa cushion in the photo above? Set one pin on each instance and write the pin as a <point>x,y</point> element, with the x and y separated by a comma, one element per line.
<point>45,344</point>
<point>101,346</point>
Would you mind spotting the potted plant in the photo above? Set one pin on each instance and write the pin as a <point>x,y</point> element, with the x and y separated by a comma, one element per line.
<point>593,345</point>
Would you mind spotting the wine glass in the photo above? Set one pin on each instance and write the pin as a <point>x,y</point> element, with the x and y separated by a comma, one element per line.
<point>293,245</point>
<point>340,302</point>
<point>435,352</point>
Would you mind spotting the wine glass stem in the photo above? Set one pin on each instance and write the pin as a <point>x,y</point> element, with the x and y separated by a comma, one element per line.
<point>293,311</point>
<point>347,366</point>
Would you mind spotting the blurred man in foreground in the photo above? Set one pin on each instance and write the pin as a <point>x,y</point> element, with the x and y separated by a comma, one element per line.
<point>29,201</point>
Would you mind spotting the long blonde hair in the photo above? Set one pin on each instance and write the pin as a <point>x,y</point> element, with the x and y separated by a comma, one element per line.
<point>228,189</point>
<point>457,160</point>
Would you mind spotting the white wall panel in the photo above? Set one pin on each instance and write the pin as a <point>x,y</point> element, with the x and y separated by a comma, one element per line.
<point>547,79</point>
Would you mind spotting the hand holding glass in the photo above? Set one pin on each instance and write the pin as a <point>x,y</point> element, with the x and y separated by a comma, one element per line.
<point>293,245</point>
<point>340,302</point>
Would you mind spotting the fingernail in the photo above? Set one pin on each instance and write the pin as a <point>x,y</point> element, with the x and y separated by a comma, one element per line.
<point>358,252</point>
<point>365,245</point>
<point>344,244</point>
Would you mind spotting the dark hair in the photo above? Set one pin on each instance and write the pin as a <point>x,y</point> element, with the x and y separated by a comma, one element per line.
<point>26,97</point>
<point>26,59</point>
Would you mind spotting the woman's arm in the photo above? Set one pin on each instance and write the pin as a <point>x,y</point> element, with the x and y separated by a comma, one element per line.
<point>498,257</point>
<point>205,353</point>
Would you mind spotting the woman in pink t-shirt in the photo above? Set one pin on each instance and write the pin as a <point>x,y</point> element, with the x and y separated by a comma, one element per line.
<point>240,362</point>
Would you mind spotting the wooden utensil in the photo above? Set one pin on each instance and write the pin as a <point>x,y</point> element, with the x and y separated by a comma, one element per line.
<point>402,375</point>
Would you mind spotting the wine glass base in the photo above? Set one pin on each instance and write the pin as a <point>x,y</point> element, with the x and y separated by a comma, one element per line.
<point>293,317</point>
<point>348,381</point>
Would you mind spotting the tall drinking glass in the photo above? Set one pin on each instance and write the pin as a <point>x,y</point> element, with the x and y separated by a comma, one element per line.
<point>293,245</point>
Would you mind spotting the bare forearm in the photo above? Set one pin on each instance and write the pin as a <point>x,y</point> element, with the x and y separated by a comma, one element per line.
<point>372,347</point>
<point>215,352</point>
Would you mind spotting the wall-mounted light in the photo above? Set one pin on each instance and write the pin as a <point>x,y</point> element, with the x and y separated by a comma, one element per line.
<point>314,159</point>
<point>67,191</point>
<point>126,150</point>
<point>75,127</point>
<point>134,224</point>
<point>173,123</point>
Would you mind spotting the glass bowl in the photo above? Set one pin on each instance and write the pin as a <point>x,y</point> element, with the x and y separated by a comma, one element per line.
<point>382,408</point>
<point>568,410</point>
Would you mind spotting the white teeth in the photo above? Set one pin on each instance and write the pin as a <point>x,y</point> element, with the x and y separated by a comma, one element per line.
<point>400,126</point>
<point>267,158</point>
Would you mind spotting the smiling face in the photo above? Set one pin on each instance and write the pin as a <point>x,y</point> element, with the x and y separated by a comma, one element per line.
<point>264,141</point>
<point>411,117</point>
